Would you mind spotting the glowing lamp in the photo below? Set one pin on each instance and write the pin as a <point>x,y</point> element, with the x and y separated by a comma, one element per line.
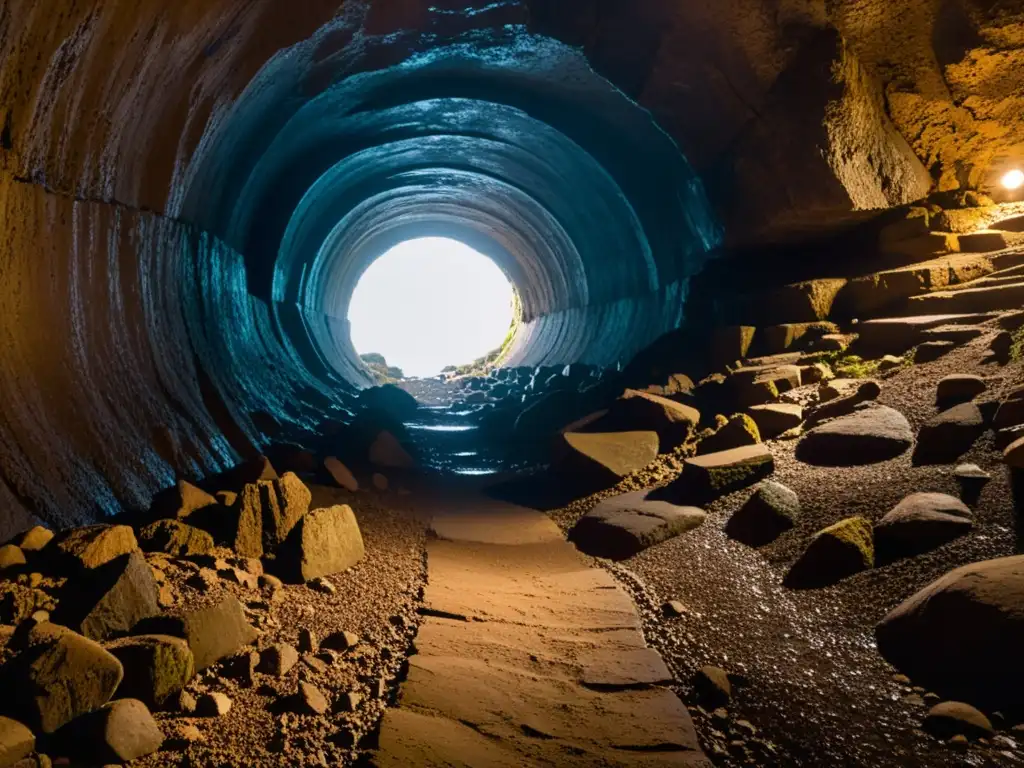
<point>1013,179</point>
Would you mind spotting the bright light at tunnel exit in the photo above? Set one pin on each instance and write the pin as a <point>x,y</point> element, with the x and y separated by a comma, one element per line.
<point>429,303</point>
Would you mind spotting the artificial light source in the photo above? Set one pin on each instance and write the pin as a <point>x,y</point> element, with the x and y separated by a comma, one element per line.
<point>1013,179</point>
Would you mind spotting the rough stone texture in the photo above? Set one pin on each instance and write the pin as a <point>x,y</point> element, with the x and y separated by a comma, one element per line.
<point>95,545</point>
<point>34,539</point>
<point>731,343</point>
<point>639,411</point>
<point>175,538</point>
<point>950,434</point>
<point>212,633</point>
<point>67,674</point>
<point>921,522</point>
<point>325,541</point>
<point>961,635</point>
<point>16,742</point>
<point>833,554</point>
<point>958,388</point>
<point>156,667</point>
<point>739,431</point>
<point>869,435</point>
<point>772,510</point>
<point>709,477</point>
<point>278,659</point>
<point>775,418</point>
<point>118,732</point>
<point>592,461</point>
<point>621,526</point>
<point>112,600</point>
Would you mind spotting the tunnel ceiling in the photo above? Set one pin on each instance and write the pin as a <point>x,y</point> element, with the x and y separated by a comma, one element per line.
<point>190,190</point>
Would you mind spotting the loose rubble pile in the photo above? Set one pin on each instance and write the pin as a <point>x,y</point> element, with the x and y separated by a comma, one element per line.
<point>120,641</point>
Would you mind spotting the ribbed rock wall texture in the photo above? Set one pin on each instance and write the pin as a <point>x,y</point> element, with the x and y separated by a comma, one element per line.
<point>145,225</point>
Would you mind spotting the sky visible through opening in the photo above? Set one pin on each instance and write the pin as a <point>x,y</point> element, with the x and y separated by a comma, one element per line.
<point>428,303</point>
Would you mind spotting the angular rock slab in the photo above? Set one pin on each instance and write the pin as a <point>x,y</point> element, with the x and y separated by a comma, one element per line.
<point>542,718</point>
<point>213,633</point>
<point>961,635</point>
<point>867,436</point>
<point>323,542</point>
<point>119,732</point>
<point>622,526</point>
<point>709,477</point>
<point>111,599</point>
<point>593,461</point>
<point>775,418</point>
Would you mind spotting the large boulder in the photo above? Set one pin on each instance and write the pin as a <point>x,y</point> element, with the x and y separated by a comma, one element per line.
<point>94,545</point>
<point>950,434</point>
<point>867,436</point>
<point>111,599</point>
<point>961,636</point>
<point>176,538</point>
<point>673,422</point>
<point>119,732</point>
<point>956,718</point>
<point>920,523</point>
<point>212,633</point>
<point>60,675</point>
<point>834,553</point>
<point>156,667</point>
<point>598,460</point>
<point>706,478</point>
<point>325,541</point>
<point>770,511</point>
<point>619,527</point>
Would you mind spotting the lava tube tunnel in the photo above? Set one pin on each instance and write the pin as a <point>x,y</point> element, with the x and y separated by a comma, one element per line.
<point>213,269</point>
<point>511,383</point>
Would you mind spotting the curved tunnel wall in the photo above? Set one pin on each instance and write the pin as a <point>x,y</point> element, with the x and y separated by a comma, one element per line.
<point>139,323</point>
<point>568,185</point>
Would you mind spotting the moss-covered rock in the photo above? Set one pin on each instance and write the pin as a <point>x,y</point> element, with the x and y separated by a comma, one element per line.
<point>155,667</point>
<point>842,549</point>
<point>706,478</point>
<point>738,430</point>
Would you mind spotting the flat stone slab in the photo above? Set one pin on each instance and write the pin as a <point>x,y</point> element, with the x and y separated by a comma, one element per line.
<point>607,659</point>
<point>708,477</point>
<point>531,657</point>
<point>546,717</point>
<point>622,526</point>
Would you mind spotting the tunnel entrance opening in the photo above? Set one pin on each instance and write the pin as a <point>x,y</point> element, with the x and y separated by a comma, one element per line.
<point>430,304</point>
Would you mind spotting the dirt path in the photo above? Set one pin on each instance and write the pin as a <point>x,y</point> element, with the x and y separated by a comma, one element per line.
<point>528,656</point>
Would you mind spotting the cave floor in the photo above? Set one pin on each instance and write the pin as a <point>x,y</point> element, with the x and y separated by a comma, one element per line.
<point>528,655</point>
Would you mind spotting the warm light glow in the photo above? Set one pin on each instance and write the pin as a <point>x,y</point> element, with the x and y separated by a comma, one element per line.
<point>428,303</point>
<point>1013,179</point>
